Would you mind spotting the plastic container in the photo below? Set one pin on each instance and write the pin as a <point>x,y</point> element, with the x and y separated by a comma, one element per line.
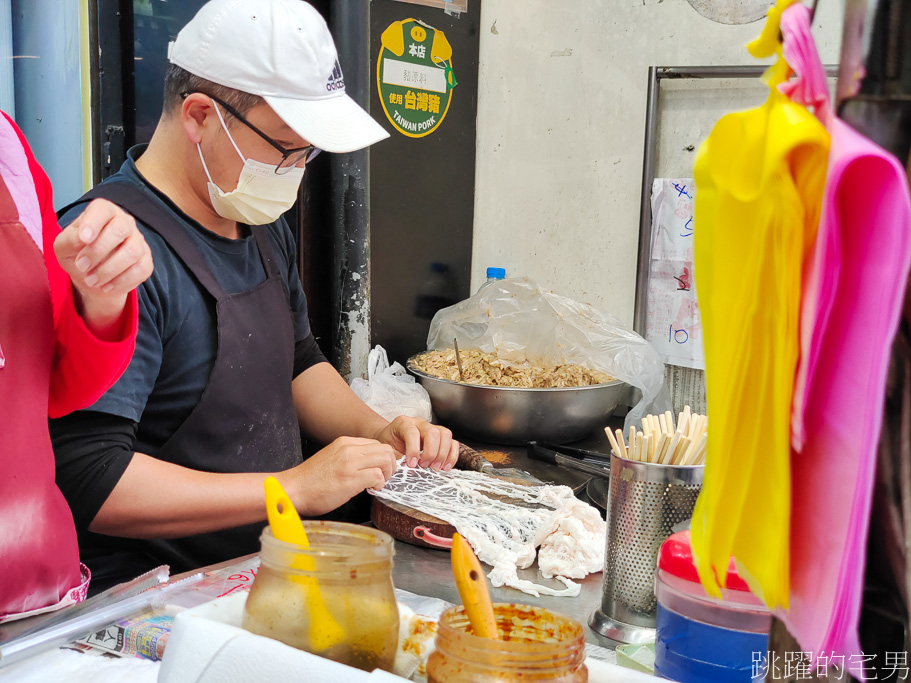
<point>535,645</point>
<point>493,275</point>
<point>351,579</point>
<point>701,638</point>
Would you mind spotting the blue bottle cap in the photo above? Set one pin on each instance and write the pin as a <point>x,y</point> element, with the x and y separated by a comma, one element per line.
<point>498,273</point>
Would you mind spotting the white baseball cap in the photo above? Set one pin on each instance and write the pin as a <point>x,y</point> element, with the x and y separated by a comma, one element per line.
<point>281,50</point>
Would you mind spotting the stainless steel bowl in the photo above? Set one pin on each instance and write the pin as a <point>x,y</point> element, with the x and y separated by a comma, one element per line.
<point>512,415</point>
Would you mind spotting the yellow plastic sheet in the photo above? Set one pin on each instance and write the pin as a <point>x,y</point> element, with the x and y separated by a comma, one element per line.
<point>759,180</point>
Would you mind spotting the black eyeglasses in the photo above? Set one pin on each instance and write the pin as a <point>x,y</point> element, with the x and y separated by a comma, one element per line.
<point>290,157</point>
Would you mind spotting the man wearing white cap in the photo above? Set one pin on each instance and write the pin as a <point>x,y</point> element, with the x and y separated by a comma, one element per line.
<point>168,466</point>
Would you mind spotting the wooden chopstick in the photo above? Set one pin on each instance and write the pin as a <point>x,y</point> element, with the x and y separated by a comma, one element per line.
<point>455,343</point>
<point>661,441</point>
<point>623,452</point>
<point>613,440</point>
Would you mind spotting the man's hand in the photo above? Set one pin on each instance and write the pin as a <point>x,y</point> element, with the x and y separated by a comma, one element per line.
<point>106,257</point>
<point>337,473</point>
<point>421,443</point>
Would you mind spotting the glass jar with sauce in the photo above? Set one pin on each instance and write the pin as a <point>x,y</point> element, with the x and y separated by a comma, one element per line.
<point>334,598</point>
<point>535,645</point>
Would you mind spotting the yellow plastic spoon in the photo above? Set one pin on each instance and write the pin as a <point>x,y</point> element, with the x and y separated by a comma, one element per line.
<point>325,631</point>
<point>472,585</point>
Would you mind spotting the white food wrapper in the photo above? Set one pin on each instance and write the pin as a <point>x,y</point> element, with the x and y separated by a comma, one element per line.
<point>390,390</point>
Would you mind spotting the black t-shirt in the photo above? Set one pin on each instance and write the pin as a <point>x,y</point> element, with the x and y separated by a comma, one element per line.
<point>175,351</point>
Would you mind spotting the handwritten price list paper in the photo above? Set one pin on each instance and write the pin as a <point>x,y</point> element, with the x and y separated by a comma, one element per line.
<point>673,326</point>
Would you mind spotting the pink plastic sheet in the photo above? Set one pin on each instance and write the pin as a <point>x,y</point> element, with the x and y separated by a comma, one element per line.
<point>852,295</point>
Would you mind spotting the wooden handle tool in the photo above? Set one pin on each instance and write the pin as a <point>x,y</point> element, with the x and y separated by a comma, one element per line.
<point>472,585</point>
<point>325,631</point>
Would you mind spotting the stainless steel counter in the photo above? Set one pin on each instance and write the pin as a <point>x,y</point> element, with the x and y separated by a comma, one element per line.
<point>516,456</point>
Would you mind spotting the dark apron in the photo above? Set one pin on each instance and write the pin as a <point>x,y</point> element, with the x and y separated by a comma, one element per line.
<point>245,420</point>
<point>38,546</point>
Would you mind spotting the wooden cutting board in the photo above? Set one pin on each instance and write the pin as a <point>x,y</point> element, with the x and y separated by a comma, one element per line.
<point>400,521</point>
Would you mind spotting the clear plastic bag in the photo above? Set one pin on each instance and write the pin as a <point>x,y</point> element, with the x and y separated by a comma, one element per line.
<point>521,322</point>
<point>389,390</point>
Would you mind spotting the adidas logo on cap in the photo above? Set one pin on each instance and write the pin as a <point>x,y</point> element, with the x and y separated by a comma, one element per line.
<point>336,79</point>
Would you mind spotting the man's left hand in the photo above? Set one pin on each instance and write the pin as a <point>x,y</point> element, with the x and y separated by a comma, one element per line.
<point>421,443</point>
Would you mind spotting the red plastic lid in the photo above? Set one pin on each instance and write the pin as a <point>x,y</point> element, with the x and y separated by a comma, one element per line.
<point>676,558</point>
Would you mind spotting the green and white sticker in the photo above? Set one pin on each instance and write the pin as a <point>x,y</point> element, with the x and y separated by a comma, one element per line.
<point>414,77</point>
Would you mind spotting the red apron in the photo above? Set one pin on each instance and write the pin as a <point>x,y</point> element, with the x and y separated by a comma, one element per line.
<point>38,549</point>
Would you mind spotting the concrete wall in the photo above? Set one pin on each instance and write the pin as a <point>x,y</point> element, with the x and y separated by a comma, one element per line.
<point>561,121</point>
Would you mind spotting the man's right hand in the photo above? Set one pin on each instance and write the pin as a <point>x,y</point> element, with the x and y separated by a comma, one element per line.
<point>158,499</point>
<point>337,473</point>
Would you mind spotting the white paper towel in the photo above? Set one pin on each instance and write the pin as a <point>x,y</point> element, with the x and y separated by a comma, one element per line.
<point>604,672</point>
<point>207,645</point>
<point>77,667</point>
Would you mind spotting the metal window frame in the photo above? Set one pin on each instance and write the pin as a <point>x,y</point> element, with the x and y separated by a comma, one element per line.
<point>655,75</point>
<point>111,82</point>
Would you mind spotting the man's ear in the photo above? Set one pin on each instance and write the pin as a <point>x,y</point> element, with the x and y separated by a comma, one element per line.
<point>196,113</point>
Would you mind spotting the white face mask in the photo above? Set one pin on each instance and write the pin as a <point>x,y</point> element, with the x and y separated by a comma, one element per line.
<point>261,195</point>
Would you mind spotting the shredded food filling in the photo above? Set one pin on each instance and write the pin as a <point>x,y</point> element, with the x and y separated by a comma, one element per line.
<point>480,367</point>
<point>506,534</point>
